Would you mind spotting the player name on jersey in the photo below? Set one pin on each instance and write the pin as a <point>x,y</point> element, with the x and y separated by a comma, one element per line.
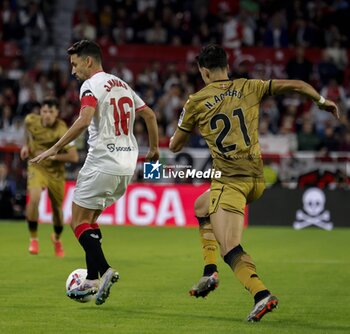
<point>114,83</point>
<point>219,98</point>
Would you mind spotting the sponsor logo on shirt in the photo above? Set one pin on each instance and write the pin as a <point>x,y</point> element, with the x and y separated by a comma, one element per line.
<point>114,148</point>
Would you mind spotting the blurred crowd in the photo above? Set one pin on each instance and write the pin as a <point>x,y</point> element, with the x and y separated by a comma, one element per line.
<point>27,75</point>
<point>234,24</point>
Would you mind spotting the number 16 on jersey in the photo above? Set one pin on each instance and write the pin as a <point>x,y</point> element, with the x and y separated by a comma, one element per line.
<point>121,114</point>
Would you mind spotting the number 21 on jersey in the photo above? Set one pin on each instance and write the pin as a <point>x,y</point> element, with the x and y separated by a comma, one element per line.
<point>121,114</point>
<point>227,128</point>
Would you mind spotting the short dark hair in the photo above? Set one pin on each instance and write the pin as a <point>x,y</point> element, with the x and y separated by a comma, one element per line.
<point>212,57</point>
<point>86,48</point>
<point>51,101</point>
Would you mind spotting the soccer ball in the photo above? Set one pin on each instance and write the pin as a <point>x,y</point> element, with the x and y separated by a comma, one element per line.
<point>76,278</point>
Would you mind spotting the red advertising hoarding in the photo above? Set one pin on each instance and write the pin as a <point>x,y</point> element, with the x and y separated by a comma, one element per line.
<point>142,205</point>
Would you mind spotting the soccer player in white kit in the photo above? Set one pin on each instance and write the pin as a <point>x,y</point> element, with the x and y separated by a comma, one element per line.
<point>108,108</point>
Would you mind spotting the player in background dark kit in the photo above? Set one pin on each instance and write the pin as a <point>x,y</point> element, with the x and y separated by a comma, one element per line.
<point>227,113</point>
<point>108,109</point>
<point>43,131</point>
<point>7,193</point>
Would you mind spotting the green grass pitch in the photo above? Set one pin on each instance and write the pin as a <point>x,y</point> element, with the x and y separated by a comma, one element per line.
<point>308,270</point>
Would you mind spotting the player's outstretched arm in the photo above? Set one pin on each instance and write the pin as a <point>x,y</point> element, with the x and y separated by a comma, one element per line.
<point>178,140</point>
<point>152,128</point>
<point>81,123</point>
<point>303,88</point>
<point>70,156</point>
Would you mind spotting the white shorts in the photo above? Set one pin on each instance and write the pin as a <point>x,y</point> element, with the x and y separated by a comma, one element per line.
<point>95,190</point>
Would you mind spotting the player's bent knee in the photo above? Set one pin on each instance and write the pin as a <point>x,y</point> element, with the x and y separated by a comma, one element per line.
<point>76,222</point>
<point>199,209</point>
<point>201,205</point>
<point>73,224</point>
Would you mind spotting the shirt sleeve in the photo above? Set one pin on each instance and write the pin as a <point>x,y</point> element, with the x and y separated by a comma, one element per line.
<point>261,87</point>
<point>139,103</point>
<point>28,120</point>
<point>87,97</point>
<point>187,120</point>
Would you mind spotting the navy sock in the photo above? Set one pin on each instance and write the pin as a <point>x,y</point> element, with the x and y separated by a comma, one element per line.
<point>58,229</point>
<point>32,225</point>
<point>95,259</point>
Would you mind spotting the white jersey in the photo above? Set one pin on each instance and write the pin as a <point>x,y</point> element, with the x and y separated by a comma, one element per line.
<point>112,146</point>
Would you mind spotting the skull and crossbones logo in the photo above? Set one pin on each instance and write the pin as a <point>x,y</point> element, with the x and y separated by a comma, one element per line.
<point>313,212</point>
